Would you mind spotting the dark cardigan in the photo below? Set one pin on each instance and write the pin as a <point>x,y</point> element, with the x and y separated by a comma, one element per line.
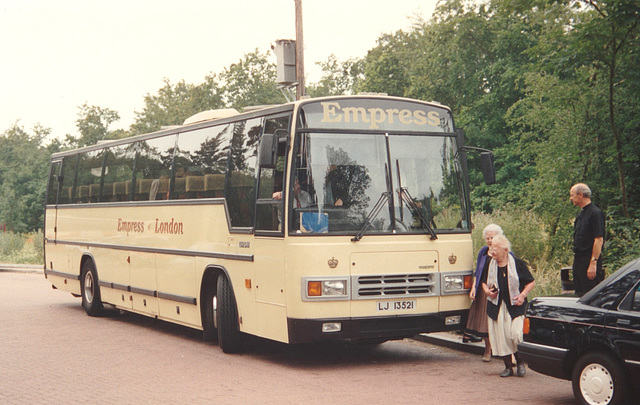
<point>525,277</point>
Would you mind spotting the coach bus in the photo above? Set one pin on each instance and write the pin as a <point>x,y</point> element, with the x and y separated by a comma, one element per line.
<point>342,218</point>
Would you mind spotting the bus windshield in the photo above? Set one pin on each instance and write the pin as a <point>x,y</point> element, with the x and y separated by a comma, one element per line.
<point>378,183</point>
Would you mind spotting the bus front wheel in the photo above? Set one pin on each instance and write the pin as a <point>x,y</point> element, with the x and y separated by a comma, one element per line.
<point>209,322</point>
<point>91,301</point>
<point>226,313</point>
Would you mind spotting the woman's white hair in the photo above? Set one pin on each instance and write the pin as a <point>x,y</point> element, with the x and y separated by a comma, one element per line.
<point>492,228</point>
<point>501,240</point>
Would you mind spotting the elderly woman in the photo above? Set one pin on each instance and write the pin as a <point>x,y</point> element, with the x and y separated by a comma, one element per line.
<point>477,321</point>
<point>506,282</point>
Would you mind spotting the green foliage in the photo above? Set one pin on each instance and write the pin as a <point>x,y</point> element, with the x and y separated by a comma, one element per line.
<point>622,242</point>
<point>249,82</point>
<point>21,248</point>
<point>93,124</point>
<point>10,243</point>
<point>385,69</point>
<point>174,103</point>
<point>23,176</point>
<point>547,254</point>
<point>337,77</point>
<point>524,229</point>
<point>530,241</point>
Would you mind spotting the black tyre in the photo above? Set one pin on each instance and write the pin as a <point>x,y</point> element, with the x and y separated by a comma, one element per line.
<point>91,300</point>
<point>209,322</point>
<point>229,336</point>
<point>599,379</point>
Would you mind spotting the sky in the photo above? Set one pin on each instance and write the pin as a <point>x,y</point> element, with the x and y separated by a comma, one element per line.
<point>56,55</point>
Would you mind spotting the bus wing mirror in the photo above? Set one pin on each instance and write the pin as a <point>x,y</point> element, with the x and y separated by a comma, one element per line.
<point>488,168</point>
<point>268,151</point>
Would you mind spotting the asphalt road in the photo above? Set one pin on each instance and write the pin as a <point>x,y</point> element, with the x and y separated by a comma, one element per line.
<point>51,352</point>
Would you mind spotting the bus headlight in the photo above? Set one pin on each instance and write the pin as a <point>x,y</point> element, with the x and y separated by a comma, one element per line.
<point>456,283</point>
<point>325,289</point>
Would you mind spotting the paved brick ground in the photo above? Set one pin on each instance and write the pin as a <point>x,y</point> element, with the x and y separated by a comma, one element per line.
<point>52,353</point>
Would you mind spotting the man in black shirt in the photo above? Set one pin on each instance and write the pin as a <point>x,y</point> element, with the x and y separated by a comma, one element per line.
<point>588,238</point>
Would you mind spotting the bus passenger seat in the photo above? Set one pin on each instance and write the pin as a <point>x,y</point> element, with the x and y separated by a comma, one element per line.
<point>214,185</point>
<point>195,186</point>
<point>119,192</point>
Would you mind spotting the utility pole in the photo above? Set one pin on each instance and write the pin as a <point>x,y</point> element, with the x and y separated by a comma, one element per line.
<point>300,89</point>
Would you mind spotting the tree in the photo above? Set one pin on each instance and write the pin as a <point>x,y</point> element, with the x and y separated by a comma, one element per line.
<point>93,124</point>
<point>584,79</point>
<point>338,77</point>
<point>608,35</point>
<point>23,176</point>
<point>174,103</point>
<point>472,57</point>
<point>250,82</point>
<point>386,66</point>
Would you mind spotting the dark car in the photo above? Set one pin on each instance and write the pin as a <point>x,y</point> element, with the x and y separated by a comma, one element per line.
<point>594,341</point>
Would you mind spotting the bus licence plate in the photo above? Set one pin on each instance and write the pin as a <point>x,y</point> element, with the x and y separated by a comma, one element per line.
<point>400,305</point>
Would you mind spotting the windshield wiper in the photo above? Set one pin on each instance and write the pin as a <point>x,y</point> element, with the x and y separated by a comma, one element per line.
<point>384,198</point>
<point>406,197</point>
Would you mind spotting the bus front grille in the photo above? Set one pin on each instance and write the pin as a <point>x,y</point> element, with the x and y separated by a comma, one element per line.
<point>395,285</point>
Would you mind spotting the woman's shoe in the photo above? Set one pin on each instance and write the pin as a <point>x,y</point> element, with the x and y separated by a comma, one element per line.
<point>508,372</point>
<point>521,371</point>
<point>486,358</point>
<point>470,338</point>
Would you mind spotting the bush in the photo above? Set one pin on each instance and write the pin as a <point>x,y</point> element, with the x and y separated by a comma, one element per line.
<point>548,255</point>
<point>21,248</point>
<point>622,242</point>
<point>529,241</point>
<point>10,242</point>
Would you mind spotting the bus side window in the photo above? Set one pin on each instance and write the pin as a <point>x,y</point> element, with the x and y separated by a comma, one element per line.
<point>118,172</point>
<point>201,158</point>
<point>53,187</point>
<point>241,178</point>
<point>69,166</point>
<point>89,177</point>
<point>269,210</point>
<point>153,169</point>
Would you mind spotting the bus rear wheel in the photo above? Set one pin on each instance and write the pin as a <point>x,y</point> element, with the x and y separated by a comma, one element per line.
<point>226,313</point>
<point>91,301</point>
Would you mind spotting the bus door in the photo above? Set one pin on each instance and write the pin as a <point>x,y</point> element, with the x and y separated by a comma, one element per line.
<point>53,194</point>
<point>269,228</point>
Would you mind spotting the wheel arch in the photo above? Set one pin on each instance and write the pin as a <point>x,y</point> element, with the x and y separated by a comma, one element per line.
<point>83,259</point>
<point>601,347</point>
<point>210,280</point>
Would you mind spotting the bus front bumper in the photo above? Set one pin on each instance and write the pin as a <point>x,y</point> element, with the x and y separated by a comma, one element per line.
<point>373,328</point>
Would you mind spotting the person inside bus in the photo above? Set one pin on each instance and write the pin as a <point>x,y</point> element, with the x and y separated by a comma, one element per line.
<point>335,187</point>
<point>302,199</point>
<point>506,281</point>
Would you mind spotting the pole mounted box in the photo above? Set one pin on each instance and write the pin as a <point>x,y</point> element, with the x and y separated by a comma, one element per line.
<point>285,50</point>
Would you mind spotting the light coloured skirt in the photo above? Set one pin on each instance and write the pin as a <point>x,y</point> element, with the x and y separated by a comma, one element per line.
<point>505,333</point>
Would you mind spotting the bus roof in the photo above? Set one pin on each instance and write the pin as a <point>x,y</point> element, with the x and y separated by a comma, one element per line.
<point>228,115</point>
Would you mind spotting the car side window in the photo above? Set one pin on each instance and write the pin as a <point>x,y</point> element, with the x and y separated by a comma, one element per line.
<point>636,299</point>
<point>617,293</point>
